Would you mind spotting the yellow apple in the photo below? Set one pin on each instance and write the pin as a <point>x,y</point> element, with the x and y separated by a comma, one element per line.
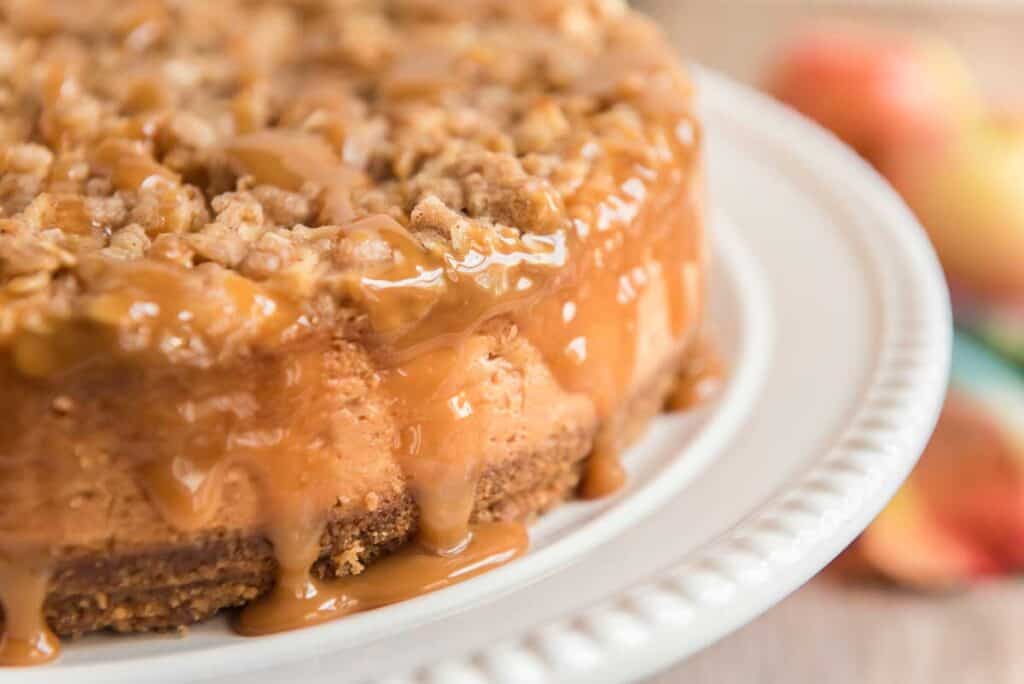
<point>969,194</point>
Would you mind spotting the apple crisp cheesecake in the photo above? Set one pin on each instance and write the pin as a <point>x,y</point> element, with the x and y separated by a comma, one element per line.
<point>307,306</point>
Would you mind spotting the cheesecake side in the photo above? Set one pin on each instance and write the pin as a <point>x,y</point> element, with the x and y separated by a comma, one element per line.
<point>284,288</point>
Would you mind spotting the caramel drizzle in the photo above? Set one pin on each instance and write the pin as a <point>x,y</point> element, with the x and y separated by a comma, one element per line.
<point>633,254</point>
<point>299,600</point>
<point>630,260</point>
<point>438,446</point>
<point>437,449</point>
<point>26,638</point>
<point>147,311</point>
<point>290,159</point>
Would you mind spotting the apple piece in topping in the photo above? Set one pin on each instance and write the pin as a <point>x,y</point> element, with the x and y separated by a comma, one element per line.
<point>877,91</point>
<point>969,195</point>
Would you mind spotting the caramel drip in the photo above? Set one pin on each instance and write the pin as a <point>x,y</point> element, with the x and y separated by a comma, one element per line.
<point>299,600</point>
<point>278,426</point>
<point>634,257</point>
<point>422,300</point>
<point>701,379</point>
<point>186,487</point>
<point>292,159</point>
<point>26,639</point>
<point>438,448</point>
<point>441,440</point>
<point>604,474</point>
<point>130,166</point>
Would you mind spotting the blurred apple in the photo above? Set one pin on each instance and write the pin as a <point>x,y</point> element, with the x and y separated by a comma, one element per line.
<point>909,545</point>
<point>969,194</point>
<point>960,515</point>
<point>877,91</point>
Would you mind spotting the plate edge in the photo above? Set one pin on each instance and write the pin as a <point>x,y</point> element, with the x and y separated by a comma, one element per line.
<point>834,500</point>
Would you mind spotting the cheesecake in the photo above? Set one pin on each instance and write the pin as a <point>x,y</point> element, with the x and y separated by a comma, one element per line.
<point>308,307</point>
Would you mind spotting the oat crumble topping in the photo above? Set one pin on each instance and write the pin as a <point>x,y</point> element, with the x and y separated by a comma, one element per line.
<point>134,142</point>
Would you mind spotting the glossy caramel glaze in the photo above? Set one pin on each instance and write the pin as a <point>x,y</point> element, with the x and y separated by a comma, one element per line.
<point>25,640</point>
<point>298,600</point>
<point>210,284</point>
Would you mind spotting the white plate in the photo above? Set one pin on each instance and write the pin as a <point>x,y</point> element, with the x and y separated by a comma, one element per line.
<point>833,312</point>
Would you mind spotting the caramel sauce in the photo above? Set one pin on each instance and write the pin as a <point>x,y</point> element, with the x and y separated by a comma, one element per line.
<point>580,290</point>
<point>26,639</point>
<point>604,474</point>
<point>299,600</point>
<point>154,312</point>
<point>631,251</point>
<point>439,444</point>
<point>291,159</point>
<point>423,300</point>
<point>280,426</point>
<point>129,164</point>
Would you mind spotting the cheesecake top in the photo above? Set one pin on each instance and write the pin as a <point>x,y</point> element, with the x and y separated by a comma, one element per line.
<point>186,181</point>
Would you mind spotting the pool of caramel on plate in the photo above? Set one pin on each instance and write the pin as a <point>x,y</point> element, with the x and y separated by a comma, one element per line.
<point>574,292</point>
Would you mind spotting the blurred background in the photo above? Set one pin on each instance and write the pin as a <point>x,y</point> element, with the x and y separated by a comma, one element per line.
<point>931,92</point>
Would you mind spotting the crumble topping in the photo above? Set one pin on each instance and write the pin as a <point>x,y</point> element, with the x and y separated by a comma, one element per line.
<point>329,141</point>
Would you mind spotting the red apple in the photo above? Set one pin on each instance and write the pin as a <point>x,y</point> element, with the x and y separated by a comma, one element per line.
<point>907,544</point>
<point>877,91</point>
<point>969,194</point>
<point>960,515</point>
<point>973,479</point>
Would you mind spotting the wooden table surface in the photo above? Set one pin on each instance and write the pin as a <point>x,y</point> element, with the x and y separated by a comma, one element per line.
<point>831,634</point>
<point>828,633</point>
